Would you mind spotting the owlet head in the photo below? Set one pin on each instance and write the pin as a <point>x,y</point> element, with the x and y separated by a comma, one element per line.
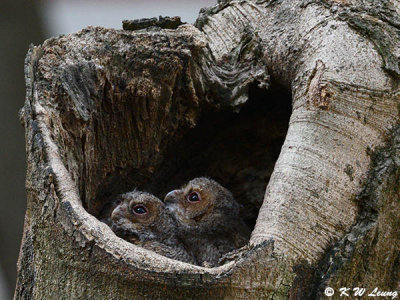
<point>202,205</point>
<point>137,215</point>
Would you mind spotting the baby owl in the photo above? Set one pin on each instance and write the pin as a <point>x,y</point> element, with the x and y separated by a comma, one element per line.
<point>208,220</point>
<point>141,218</point>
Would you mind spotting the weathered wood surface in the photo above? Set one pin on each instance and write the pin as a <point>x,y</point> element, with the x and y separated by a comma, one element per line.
<point>110,109</point>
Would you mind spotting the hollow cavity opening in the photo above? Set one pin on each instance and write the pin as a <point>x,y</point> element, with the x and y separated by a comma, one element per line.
<point>237,149</point>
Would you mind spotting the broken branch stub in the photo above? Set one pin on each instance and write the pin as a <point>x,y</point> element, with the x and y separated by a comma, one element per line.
<point>103,108</point>
<point>108,110</point>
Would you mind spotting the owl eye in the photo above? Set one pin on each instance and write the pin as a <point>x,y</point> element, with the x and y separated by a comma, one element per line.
<point>193,197</point>
<point>139,210</point>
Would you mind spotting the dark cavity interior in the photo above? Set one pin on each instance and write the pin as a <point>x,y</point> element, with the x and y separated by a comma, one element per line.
<point>237,149</point>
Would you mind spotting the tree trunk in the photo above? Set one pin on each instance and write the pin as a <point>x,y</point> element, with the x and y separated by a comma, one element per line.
<point>295,100</point>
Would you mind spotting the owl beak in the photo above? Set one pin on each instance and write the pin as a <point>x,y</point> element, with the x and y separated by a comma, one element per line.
<point>116,214</point>
<point>171,197</point>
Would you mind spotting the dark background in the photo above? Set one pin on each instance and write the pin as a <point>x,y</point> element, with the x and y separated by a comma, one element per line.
<point>23,22</point>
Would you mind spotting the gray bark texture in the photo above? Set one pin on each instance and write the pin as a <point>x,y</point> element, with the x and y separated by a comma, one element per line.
<point>293,105</point>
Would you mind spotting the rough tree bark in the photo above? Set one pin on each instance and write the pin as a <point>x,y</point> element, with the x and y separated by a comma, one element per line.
<point>313,82</point>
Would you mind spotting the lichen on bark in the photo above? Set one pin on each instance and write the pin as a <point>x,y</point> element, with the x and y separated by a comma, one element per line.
<point>369,255</point>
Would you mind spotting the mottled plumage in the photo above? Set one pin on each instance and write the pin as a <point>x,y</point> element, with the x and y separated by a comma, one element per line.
<point>142,219</point>
<point>208,220</point>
